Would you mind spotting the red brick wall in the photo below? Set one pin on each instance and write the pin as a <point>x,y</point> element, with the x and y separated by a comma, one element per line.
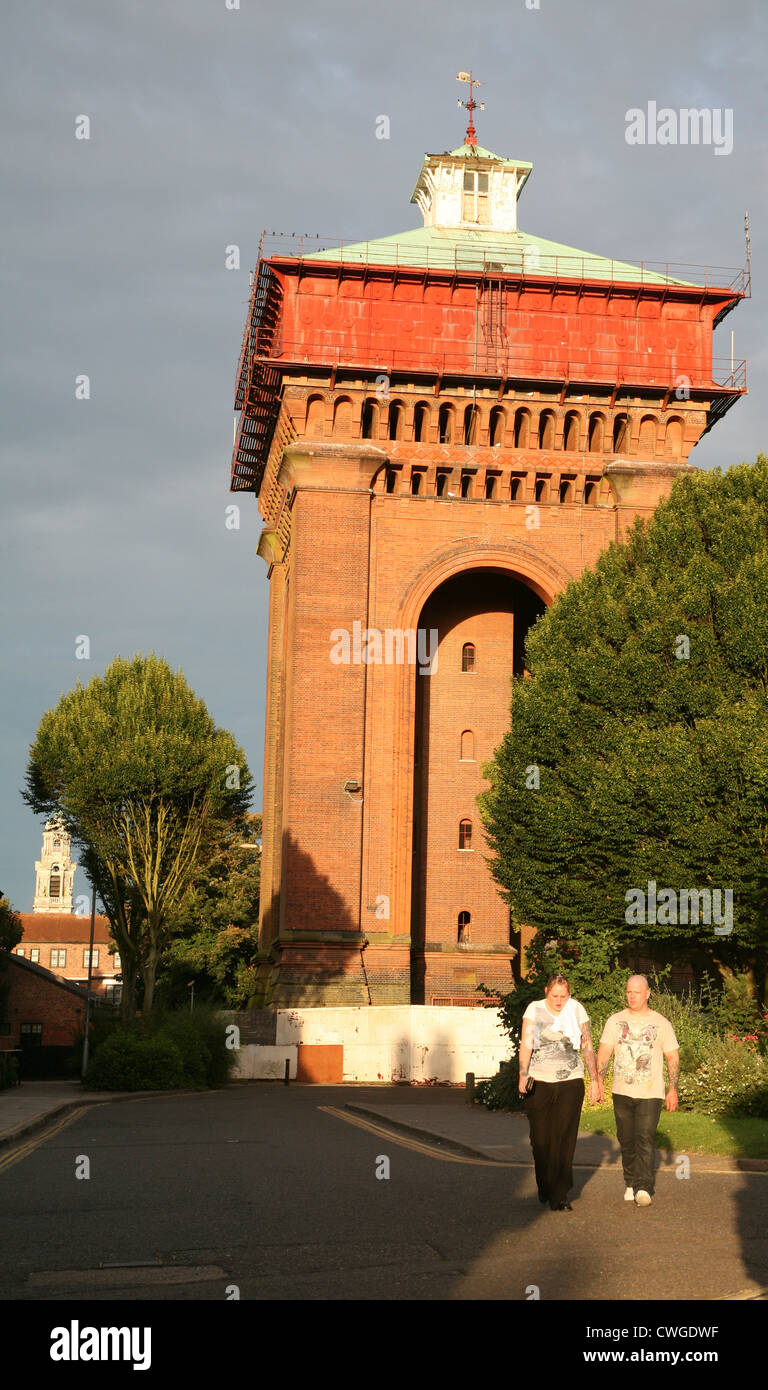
<point>33,999</point>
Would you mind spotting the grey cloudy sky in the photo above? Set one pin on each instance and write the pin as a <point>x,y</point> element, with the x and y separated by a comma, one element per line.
<point>209,124</point>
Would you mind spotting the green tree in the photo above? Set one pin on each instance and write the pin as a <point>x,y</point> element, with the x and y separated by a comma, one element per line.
<point>146,783</point>
<point>639,750</point>
<point>215,940</point>
<point>11,932</point>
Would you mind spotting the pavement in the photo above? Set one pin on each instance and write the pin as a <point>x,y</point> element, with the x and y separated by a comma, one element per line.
<point>437,1115</point>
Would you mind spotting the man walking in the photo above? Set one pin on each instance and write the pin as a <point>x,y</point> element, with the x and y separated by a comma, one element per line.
<point>642,1039</point>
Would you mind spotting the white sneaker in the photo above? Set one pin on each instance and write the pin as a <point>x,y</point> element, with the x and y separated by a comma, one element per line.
<point>643,1199</point>
<point>629,1194</point>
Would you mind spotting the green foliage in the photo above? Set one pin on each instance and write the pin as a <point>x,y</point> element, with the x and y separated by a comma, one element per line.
<point>216,927</point>
<point>126,1061</point>
<point>147,785</point>
<point>184,1049</point>
<point>11,929</point>
<point>651,766</point>
<point>734,1009</point>
<point>732,1080</point>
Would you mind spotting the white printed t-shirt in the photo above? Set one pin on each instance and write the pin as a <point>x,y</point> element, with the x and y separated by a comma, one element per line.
<point>640,1043</point>
<point>556,1041</point>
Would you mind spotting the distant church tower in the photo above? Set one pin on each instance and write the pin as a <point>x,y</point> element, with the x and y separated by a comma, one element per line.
<point>55,871</point>
<point>443,429</point>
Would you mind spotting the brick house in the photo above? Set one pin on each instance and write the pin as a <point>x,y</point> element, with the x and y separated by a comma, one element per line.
<point>41,1009</point>
<point>59,941</point>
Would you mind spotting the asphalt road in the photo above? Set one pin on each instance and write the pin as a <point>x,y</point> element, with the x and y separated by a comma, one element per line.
<point>259,1189</point>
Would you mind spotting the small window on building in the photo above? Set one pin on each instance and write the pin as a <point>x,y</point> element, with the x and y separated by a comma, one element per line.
<point>595,434</point>
<point>440,482</point>
<point>547,430</point>
<point>468,656</point>
<point>390,477</point>
<point>420,418</point>
<point>54,887</point>
<point>590,494</point>
<point>396,420</point>
<point>86,954</point>
<point>369,421</point>
<point>515,489</point>
<point>416,483</point>
<point>31,1035</point>
<point>498,423</point>
<point>58,958</point>
<point>571,433</point>
<point>522,427</point>
<point>620,433</point>
<point>34,954</point>
<point>471,424</point>
<point>566,489</point>
<point>20,951</point>
<point>464,924</point>
<point>542,490</point>
<point>491,480</point>
<point>466,484</point>
<point>445,424</point>
<point>116,960</point>
<point>465,834</point>
<point>467,754</point>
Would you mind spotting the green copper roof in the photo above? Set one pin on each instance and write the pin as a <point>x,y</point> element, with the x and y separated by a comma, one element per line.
<point>506,252</point>
<point>477,152</point>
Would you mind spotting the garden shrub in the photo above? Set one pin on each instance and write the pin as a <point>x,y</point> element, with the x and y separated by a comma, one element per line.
<point>732,1080</point>
<point>127,1062</point>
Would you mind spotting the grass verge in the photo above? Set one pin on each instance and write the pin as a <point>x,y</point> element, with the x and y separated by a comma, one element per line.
<point>738,1136</point>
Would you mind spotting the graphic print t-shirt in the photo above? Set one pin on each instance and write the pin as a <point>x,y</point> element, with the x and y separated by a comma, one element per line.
<point>638,1059</point>
<point>556,1040</point>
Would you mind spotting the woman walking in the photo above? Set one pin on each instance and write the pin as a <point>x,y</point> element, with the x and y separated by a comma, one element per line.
<point>552,1080</point>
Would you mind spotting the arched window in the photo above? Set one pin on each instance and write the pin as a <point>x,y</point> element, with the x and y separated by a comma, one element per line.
<point>596,425</point>
<point>541,491</point>
<point>466,484</point>
<point>467,746</point>
<point>566,489</point>
<point>315,416</point>
<point>445,424</point>
<point>646,443</point>
<point>440,482</point>
<point>674,438</point>
<point>390,476</point>
<point>420,423</point>
<point>416,477</point>
<point>465,834</point>
<point>342,416</point>
<point>396,414</point>
<point>590,493</point>
<point>491,479</point>
<point>571,432</point>
<point>464,924</point>
<point>547,429</point>
<point>515,489</point>
<point>471,424</point>
<point>522,429</point>
<point>370,420</point>
<point>498,422</point>
<point>620,433</point>
<point>54,887</point>
<point>468,656</point>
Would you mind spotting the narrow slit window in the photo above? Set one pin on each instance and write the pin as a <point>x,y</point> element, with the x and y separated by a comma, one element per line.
<point>465,834</point>
<point>468,656</point>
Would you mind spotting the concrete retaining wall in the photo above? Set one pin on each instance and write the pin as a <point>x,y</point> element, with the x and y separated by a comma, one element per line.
<point>389,1043</point>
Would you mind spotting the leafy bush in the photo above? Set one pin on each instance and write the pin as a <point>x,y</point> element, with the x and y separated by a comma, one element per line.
<point>184,1049</point>
<point>732,1080</point>
<point>127,1062</point>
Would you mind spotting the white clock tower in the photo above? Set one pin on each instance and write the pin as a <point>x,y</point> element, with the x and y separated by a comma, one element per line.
<point>55,871</point>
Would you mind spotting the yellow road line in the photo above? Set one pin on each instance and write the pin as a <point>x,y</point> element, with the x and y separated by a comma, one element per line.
<point>418,1145</point>
<point>23,1150</point>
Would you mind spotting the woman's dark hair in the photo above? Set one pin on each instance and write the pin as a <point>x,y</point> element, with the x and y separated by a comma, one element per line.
<point>556,980</point>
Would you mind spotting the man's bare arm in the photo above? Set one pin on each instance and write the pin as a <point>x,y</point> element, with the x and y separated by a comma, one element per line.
<point>603,1060</point>
<point>588,1049</point>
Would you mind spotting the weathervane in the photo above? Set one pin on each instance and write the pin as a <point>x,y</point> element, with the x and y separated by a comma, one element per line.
<point>470,106</point>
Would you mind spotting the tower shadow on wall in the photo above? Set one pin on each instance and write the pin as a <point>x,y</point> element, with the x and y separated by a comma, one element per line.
<point>322,961</point>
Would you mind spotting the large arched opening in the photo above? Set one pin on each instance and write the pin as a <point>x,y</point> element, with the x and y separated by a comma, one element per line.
<point>481,617</point>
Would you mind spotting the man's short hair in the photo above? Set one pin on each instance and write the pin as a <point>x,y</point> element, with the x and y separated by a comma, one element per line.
<point>640,977</point>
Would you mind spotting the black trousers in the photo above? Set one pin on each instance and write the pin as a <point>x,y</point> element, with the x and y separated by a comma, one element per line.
<point>636,1125</point>
<point>553,1111</point>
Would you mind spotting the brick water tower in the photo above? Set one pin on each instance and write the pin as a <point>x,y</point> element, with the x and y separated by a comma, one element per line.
<point>443,428</point>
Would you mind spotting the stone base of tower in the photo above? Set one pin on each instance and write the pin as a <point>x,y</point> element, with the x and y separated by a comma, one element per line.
<point>322,973</point>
